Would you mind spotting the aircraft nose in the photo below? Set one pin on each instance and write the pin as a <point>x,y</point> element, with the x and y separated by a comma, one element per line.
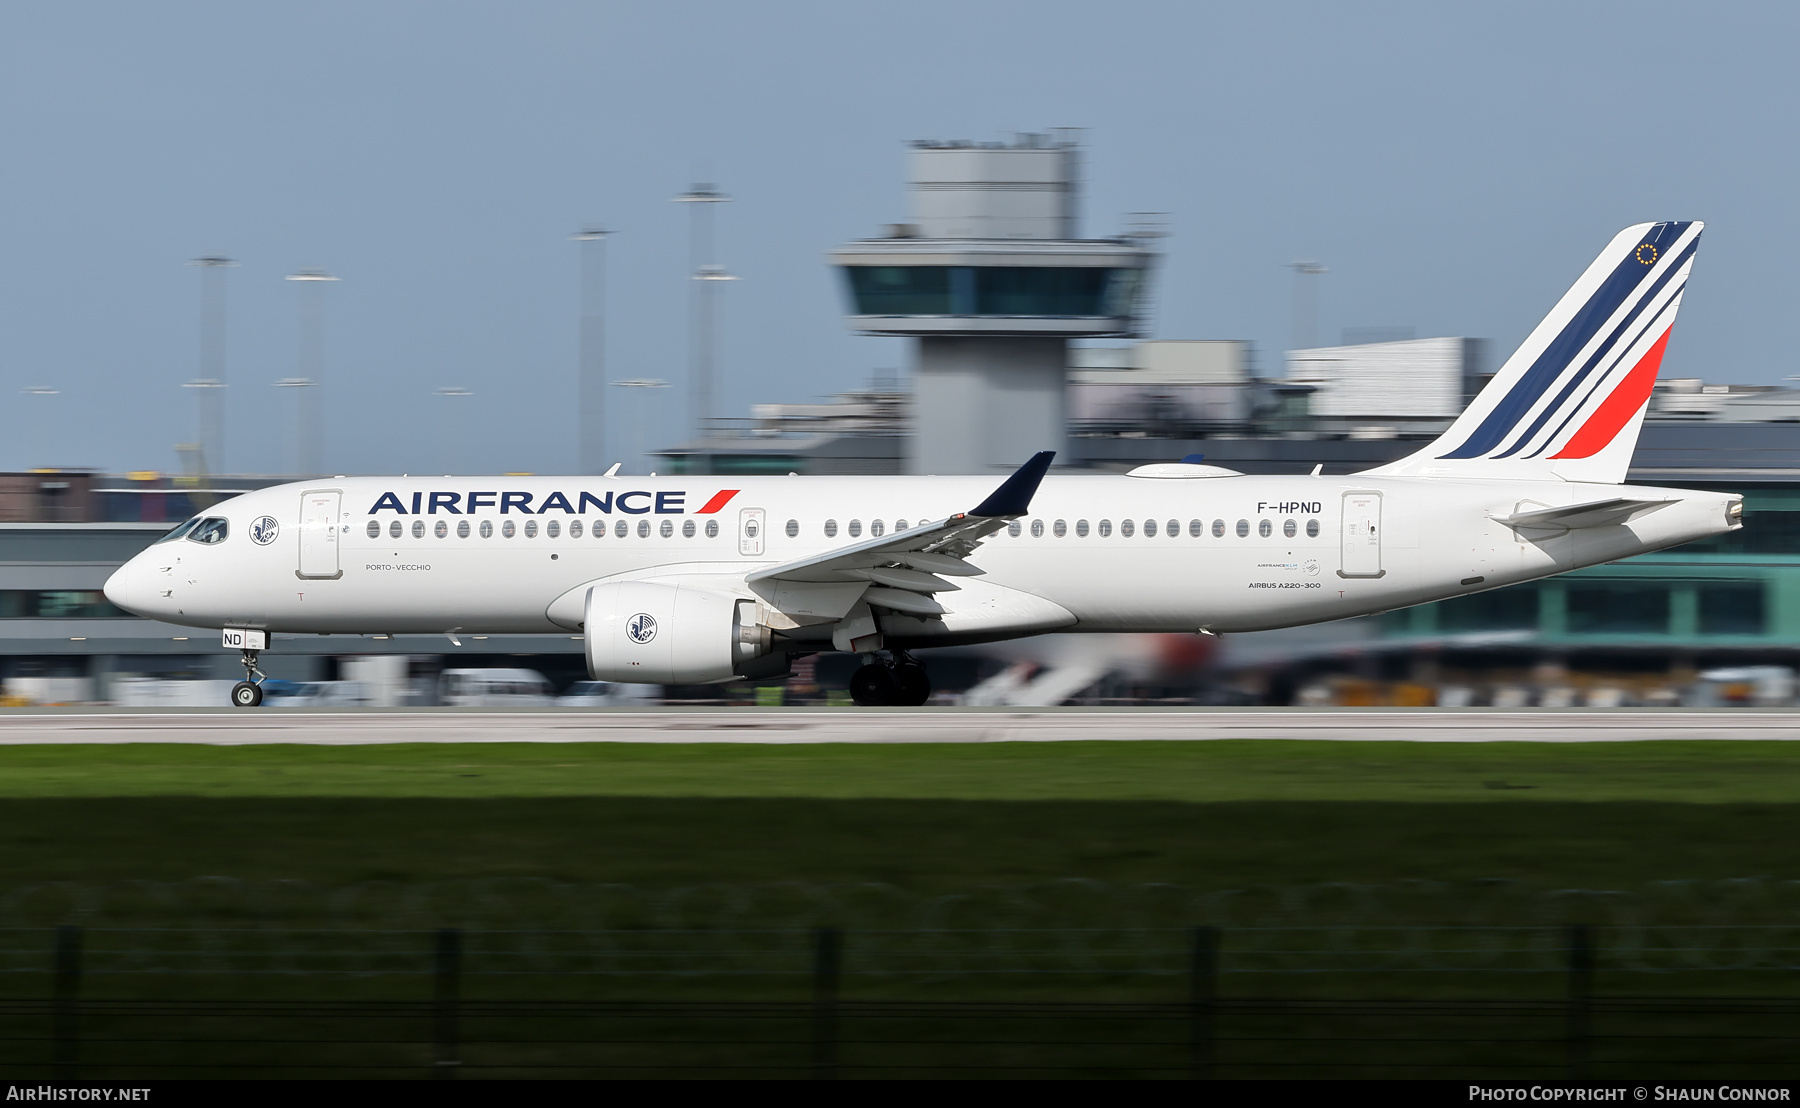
<point>131,588</point>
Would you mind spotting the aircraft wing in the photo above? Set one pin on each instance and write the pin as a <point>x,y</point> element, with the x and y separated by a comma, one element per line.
<point>901,571</point>
<point>1597,513</point>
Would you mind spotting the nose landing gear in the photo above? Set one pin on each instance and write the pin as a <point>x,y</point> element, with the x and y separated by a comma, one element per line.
<point>899,682</point>
<point>248,692</point>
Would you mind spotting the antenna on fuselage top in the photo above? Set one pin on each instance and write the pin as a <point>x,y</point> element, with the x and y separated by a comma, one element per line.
<point>614,471</point>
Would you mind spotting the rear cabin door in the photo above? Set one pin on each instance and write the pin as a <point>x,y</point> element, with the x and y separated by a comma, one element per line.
<point>750,532</point>
<point>1361,535</point>
<point>320,530</point>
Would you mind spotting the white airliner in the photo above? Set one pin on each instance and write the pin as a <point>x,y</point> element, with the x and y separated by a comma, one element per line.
<point>691,580</point>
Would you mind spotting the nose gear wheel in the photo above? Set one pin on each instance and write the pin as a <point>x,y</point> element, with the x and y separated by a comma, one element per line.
<point>248,692</point>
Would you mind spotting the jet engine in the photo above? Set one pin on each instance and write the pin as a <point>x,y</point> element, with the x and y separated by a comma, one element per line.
<point>670,634</point>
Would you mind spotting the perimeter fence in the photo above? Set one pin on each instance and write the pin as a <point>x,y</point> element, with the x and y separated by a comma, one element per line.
<point>510,979</point>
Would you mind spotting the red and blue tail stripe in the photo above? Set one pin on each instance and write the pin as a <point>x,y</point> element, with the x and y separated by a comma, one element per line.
<point>1569,401</point>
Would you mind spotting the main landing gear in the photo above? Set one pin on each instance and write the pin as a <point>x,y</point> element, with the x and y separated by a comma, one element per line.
<point>899,682</point>
<point>248,692</point>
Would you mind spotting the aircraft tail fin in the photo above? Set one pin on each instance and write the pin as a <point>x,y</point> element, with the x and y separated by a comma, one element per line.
<point>1570,401</point>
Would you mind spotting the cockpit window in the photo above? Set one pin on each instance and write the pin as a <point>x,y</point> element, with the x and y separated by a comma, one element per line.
<point>179,530</point>
<point>210,531</point>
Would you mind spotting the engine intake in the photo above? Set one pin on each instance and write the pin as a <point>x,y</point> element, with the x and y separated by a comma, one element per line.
<point>670,634</point>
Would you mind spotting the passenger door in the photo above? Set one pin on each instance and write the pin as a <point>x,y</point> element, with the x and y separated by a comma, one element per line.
<point>320,529</point>
<point>1361,535</point>
<point>750,532</point>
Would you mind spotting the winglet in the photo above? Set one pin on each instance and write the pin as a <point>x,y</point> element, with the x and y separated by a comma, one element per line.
<point>1013,497</point>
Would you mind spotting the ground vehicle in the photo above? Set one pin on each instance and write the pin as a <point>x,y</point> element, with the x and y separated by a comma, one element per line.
<point>495,688</point>
<point>606,694</point>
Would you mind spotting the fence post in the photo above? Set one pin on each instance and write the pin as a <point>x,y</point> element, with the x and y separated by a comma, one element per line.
<point>446,967</point>
<point>65,1032</point>
<point>1203,996</point>
<point>1581,989</point>
<point>827,955</point>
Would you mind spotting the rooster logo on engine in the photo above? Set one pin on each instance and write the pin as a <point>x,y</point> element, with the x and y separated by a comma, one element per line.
<point>641,628</point>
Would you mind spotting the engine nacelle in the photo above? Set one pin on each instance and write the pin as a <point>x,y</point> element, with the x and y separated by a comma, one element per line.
<point>669,634</point>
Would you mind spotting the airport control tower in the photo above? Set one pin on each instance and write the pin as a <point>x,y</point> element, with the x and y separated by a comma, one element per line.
<point>992,278</point>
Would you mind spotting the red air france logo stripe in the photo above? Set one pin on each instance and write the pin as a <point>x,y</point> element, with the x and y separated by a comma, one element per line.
<point>718,501</point>
<point>1616,410</point>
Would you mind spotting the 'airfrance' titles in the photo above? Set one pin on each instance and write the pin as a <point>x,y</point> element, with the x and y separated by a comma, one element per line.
<point>634,503</point>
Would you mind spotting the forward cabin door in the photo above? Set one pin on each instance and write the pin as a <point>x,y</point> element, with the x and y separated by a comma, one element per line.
<point>750,532</point>
<point>321,527</point>
<point>1361,535</point>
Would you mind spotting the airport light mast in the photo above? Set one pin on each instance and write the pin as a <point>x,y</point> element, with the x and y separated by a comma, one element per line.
<point>211,382</point>
<point>706,274</point>
<point>309,385</point>
<point>591,358</point>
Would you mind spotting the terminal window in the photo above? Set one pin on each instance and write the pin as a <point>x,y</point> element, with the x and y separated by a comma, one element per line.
<point>1764,532</point>
<point>1733,608</point>
<point>58,604</point>
<point>1510,609</point>
<point>1618,607</point>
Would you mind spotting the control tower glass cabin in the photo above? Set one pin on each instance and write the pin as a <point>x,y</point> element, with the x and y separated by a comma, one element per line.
<point>990,277</point>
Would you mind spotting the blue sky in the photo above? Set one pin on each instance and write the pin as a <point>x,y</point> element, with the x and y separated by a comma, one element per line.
<point>1454,165</point>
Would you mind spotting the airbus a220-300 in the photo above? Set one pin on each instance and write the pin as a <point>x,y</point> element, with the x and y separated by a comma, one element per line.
<point>686,580</point>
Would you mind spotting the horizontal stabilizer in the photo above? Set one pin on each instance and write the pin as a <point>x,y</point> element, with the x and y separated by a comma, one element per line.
<point>1598,513</point>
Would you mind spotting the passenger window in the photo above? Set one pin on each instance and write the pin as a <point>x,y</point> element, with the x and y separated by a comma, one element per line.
<point>508,530</point>
<point>462,528</point>
<point>831,528</point>
<point>1243,528</point>
<point>393,529</point>
<point>575,528</point>
<point>374,529</point>
<point>1149,528</point>
<point>621,529</point>
<point>1312,528</point>
<point>1037,528</point>
<point>1105,527</point>
<point>531,528</point>
<point>712,528</point>
<point>643,528</point>
<point>1265,528</point>
<point>487,528</point>
<point>553,529</point>
<point>899,525</point>
<point>855,528</point>
<point>418,528</point>
<point>1081,529</point>
<point>1290,529</point>
<point>1196,527</point>
<point>1218,528</point>
<point>442,529</point>
<point>877,528</point>
<point>793,528</point>
<point>1126,528</point>
<point>1014,529</point>
<point>1173,529</point>
<point>667,529</point>
<point>687,528</point>
<point>1059,529</point>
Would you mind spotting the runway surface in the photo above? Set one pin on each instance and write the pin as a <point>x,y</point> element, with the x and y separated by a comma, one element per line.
<point>227,727</point>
